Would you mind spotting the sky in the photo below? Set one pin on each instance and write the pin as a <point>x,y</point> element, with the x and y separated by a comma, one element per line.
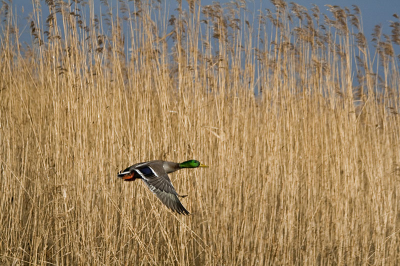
<point>373,11</point>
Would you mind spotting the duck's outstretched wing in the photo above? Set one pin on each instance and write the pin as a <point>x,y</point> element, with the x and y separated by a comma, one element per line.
<point>157,180</point>
<point>169,198</point>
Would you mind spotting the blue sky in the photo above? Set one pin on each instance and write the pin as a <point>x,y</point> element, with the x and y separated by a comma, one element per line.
<point>373,12</point>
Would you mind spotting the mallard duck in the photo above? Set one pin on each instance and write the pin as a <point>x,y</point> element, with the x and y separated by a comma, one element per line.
<point>155,175</point>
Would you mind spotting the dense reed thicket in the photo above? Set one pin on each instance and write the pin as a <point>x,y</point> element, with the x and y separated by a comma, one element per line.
<point>295,114</point>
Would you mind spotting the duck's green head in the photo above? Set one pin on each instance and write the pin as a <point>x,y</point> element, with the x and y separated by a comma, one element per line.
<point>191,164</point>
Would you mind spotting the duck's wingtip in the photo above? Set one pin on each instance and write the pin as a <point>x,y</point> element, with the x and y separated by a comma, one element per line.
<point>183,212</point>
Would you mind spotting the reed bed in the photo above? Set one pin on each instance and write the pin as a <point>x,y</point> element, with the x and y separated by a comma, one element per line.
<point>294,112</point>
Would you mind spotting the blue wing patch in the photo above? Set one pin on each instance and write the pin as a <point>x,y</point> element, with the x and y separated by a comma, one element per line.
<point>146,171</point>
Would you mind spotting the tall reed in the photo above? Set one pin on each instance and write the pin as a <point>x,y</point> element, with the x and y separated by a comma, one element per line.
<point>294,113</point>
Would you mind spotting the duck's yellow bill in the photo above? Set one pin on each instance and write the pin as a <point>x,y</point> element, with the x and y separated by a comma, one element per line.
<point>203,165</point>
